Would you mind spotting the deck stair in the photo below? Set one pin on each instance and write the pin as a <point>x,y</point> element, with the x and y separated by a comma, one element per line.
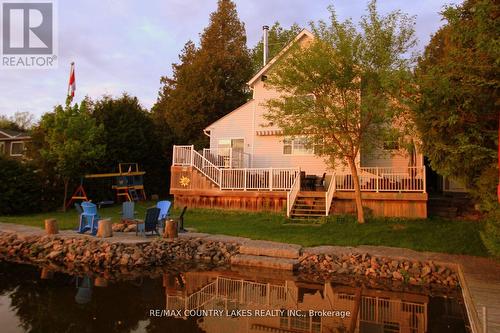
<point>309,205</point>
<point>265,254</point>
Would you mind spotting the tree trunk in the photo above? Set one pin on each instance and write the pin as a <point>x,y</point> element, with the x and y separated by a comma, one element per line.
<point>357,191</point>
<point>66,183</point>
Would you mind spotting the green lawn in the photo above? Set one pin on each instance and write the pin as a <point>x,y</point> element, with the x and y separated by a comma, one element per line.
<point>434,234</point>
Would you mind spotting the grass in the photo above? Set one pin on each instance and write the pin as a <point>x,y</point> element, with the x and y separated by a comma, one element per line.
<point>433,234</point>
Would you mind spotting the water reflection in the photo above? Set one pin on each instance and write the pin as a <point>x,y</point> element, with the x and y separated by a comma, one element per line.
<point>41,300</point>
<point>306,307</point>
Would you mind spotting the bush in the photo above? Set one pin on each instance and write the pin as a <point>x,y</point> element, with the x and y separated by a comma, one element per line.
<point>491,233</point>
<point>20,188</point>
<point>484,189</point>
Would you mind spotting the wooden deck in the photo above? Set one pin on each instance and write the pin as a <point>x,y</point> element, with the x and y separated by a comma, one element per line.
<point>191,188</point>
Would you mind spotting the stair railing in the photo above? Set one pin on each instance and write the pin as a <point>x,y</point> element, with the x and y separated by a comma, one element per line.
<point>329,195</point>
<point>292,194</point>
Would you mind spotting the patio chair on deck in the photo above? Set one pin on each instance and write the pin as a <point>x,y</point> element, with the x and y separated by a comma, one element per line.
<point>319,184</point>
<point>150,223</point>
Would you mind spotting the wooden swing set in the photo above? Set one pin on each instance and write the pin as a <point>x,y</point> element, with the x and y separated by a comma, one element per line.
<point>129,184</point>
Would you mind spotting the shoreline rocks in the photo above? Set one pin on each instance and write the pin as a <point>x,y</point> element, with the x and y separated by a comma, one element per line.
<point>410,272</point>
<point>99,255</point>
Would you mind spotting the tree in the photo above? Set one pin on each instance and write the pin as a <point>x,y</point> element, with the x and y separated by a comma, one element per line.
<point>129,133</point>
<point>457,111</point>
<point>346,88</point>
<point>21,121</point>
<point>20,187</point>
<point>209,81</point>
<point>71,142</point>
<point>277,38</point>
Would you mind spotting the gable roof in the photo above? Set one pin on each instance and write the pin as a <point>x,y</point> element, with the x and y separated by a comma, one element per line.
<point>264,69</point>
<point>11,134</point>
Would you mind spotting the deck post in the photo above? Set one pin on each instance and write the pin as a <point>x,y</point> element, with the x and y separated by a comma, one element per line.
<point>192,154</point>
<point>173,155</point>
<point>270,179</point>
<point>424,179</point>
<point>220,179</point>
<point>245,179</point>
<point>378,179</point>
<point>230,158</point>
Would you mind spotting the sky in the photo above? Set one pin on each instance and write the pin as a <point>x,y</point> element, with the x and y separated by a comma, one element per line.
<point>127,45</point>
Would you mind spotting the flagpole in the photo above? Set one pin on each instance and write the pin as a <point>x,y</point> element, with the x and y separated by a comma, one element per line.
<point>69,84</point>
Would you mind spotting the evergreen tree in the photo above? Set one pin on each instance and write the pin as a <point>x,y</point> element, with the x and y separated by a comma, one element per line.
<point>278,37</point>
<point>129,133</point>
<point>457,110</point>
<point>209,81</point>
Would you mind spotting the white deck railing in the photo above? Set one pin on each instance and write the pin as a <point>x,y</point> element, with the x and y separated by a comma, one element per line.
<point>372,179</point>
<point>227,157</point>
<point>246,179</point>
<point>234,290</point>
<point>256,179</point>
<point>292,194</point>
<point>329,195</point>
<point>375,179</point>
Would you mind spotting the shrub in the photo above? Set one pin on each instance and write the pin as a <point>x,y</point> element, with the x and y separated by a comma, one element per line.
<point>484,190</point>
<point>491,233</point>
<point>20,188</point>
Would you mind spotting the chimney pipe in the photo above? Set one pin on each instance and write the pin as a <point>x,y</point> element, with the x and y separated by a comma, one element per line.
<point>265,30</point>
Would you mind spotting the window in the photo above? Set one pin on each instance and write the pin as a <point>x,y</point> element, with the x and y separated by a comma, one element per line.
<point>236,144</point>
<point>297,146</point>
<point>16,148</point>
<point>2,147</point>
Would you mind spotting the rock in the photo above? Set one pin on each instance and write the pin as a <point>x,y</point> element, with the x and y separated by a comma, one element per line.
<point>124,260</point>
<point>397,275</point>
<point>426,271</point>
<point>53,254</point>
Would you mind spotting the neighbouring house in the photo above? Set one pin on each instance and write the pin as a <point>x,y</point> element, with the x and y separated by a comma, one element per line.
<point>250,165</point>
<point>13,143</point>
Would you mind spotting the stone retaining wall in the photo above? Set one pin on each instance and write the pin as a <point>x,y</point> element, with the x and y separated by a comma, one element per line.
<point>97,255</point>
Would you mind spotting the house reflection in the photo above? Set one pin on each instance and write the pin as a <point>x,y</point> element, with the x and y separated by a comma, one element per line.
<point>369,310</point>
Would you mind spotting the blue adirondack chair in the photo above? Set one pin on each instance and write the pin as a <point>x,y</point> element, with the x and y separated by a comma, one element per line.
<point>150,223</point>
<point>89,218</point>
<point>128,210</point>
<point>164,207</point>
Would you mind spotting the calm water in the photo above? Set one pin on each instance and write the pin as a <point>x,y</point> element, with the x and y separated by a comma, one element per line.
<point>33,299</point>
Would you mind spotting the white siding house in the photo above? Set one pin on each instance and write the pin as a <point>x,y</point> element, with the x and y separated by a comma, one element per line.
<point>251,165</point>
<point>265,144</point>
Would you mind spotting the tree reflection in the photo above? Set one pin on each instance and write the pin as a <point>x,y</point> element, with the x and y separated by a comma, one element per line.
<point>49,305</point>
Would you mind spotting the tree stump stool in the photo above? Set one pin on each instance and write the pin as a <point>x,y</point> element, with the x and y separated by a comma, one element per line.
<point>105,228</point>
<point>51,226</point>
<point>171,229</point>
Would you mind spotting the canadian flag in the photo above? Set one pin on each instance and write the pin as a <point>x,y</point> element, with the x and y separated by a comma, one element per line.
<point>72,83</point>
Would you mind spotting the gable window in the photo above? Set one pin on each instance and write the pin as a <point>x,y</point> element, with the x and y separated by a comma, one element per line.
<point>16,148</point>
<point>296,146</point>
